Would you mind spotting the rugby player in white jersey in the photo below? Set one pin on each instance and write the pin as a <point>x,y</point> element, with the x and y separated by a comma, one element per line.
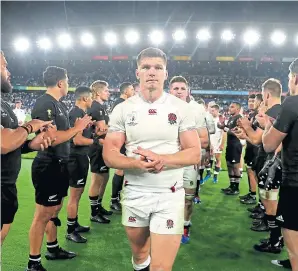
<point>160,138</point>
<point>179,88</point>
<point>218,140</point>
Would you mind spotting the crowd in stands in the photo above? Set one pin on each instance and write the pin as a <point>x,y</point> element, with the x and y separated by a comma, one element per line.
<point>201,75</point>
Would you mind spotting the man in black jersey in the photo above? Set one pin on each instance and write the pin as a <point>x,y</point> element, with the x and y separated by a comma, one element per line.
<point>271,92</point>
<point>78,164</point>
<point>126,91</point>
<point>233,150</point>
<point>254,102</point>
<point>50,174</point>
<point>99,170</point>
<point>11,151</point>
<point>285,131</point>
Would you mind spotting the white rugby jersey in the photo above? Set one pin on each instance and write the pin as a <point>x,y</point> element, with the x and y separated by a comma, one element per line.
<point>216,138</point>
<point>199,113</point>
<point>20,113</point>
<point>154,126</point>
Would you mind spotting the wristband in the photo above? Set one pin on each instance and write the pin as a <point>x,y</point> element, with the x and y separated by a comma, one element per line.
<point>226,129</point>
<point>28,128</point>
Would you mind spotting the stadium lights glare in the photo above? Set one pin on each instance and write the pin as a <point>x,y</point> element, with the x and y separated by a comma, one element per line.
<point>21,44</point>
<point>251,37</point>
<point>203,35</point>
<point>179,35</point>
<point>156,37</point>
<point>132,37</point>
<point>87,39</point>
<point>110,38</point>
<point>297,39</point>
<point>64,40</point>
<point>44,43</point>
<point>227,35</point>
<point>278,37</point>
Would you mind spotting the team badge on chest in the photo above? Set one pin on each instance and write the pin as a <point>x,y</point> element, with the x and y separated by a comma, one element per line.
<point>172,118</point>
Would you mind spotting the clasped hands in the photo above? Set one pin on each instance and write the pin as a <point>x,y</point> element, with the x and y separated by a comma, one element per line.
<point>149,161</point>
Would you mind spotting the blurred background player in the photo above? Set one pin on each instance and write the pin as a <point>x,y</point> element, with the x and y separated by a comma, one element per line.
<point>179,88</point>
<point>254,102</point>
<point>233,150</point>
<point>99,170</point>
<point>78,165</point>
<point>19,112</point>
<point>218,141</point>
<point>126,91</point>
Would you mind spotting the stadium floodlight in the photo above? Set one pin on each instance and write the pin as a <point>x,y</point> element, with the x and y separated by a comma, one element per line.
<point>132,37</point>
<point>110,38</point>
<point>64,40</point>
<point>179,35</point>
<point>251,37</point>
<point>156,37</point>
<point>203,35</point>
<point>21,44</point>
<point>227,35</point>
<point>44,43</point>
<point>278,37</point>
<point>87,39</point>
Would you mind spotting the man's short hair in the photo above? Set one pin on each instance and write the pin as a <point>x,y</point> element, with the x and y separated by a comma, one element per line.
<point>135,85</point>
<point>293,68</point>
<point>82,91</point>
<point>52,75</point>
<point>215,106</point>
<point>251,96</point>
<point>259,97</point>
<point>124,86</point>
<point>274,87</point>
<point>150,53</point>
<point>201,101</point>
<point>178,79</point>
<point>98,86</point>
<point>237,103</point>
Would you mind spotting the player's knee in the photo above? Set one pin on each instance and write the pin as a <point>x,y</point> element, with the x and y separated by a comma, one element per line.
<point>189,198</point>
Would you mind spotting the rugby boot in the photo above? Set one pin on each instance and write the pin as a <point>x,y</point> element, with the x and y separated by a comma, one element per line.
<point>116,206</point>
<point>99,218</point>
<point>248,201</point>
<point>75,237</point>
<point>268,247</point>
<point>186,235</point>
<point>103,211</point>
<point>60,254</point>
<point>81,229</point>
<point>260,226</point>
<point>282,263</point>
<point>36,267</point>
<point>244,196</point>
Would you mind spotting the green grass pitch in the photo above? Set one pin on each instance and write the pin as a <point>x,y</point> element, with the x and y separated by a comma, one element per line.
<point>220,239</point>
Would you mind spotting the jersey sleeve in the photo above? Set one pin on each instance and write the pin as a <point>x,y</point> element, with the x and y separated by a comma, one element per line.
<point>286,117</point>
<point>200,117</point>
<point>73,116</point>
<point>117,120</point>
<point>45,112</point>
<point>97,112</point>
<point>187,121</point>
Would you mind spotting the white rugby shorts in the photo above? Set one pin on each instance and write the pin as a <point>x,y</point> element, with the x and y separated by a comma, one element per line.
<point>163,213</point>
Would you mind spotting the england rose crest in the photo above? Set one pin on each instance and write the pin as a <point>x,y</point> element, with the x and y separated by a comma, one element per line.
<point>172,118</point>
<point>170,223</point>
